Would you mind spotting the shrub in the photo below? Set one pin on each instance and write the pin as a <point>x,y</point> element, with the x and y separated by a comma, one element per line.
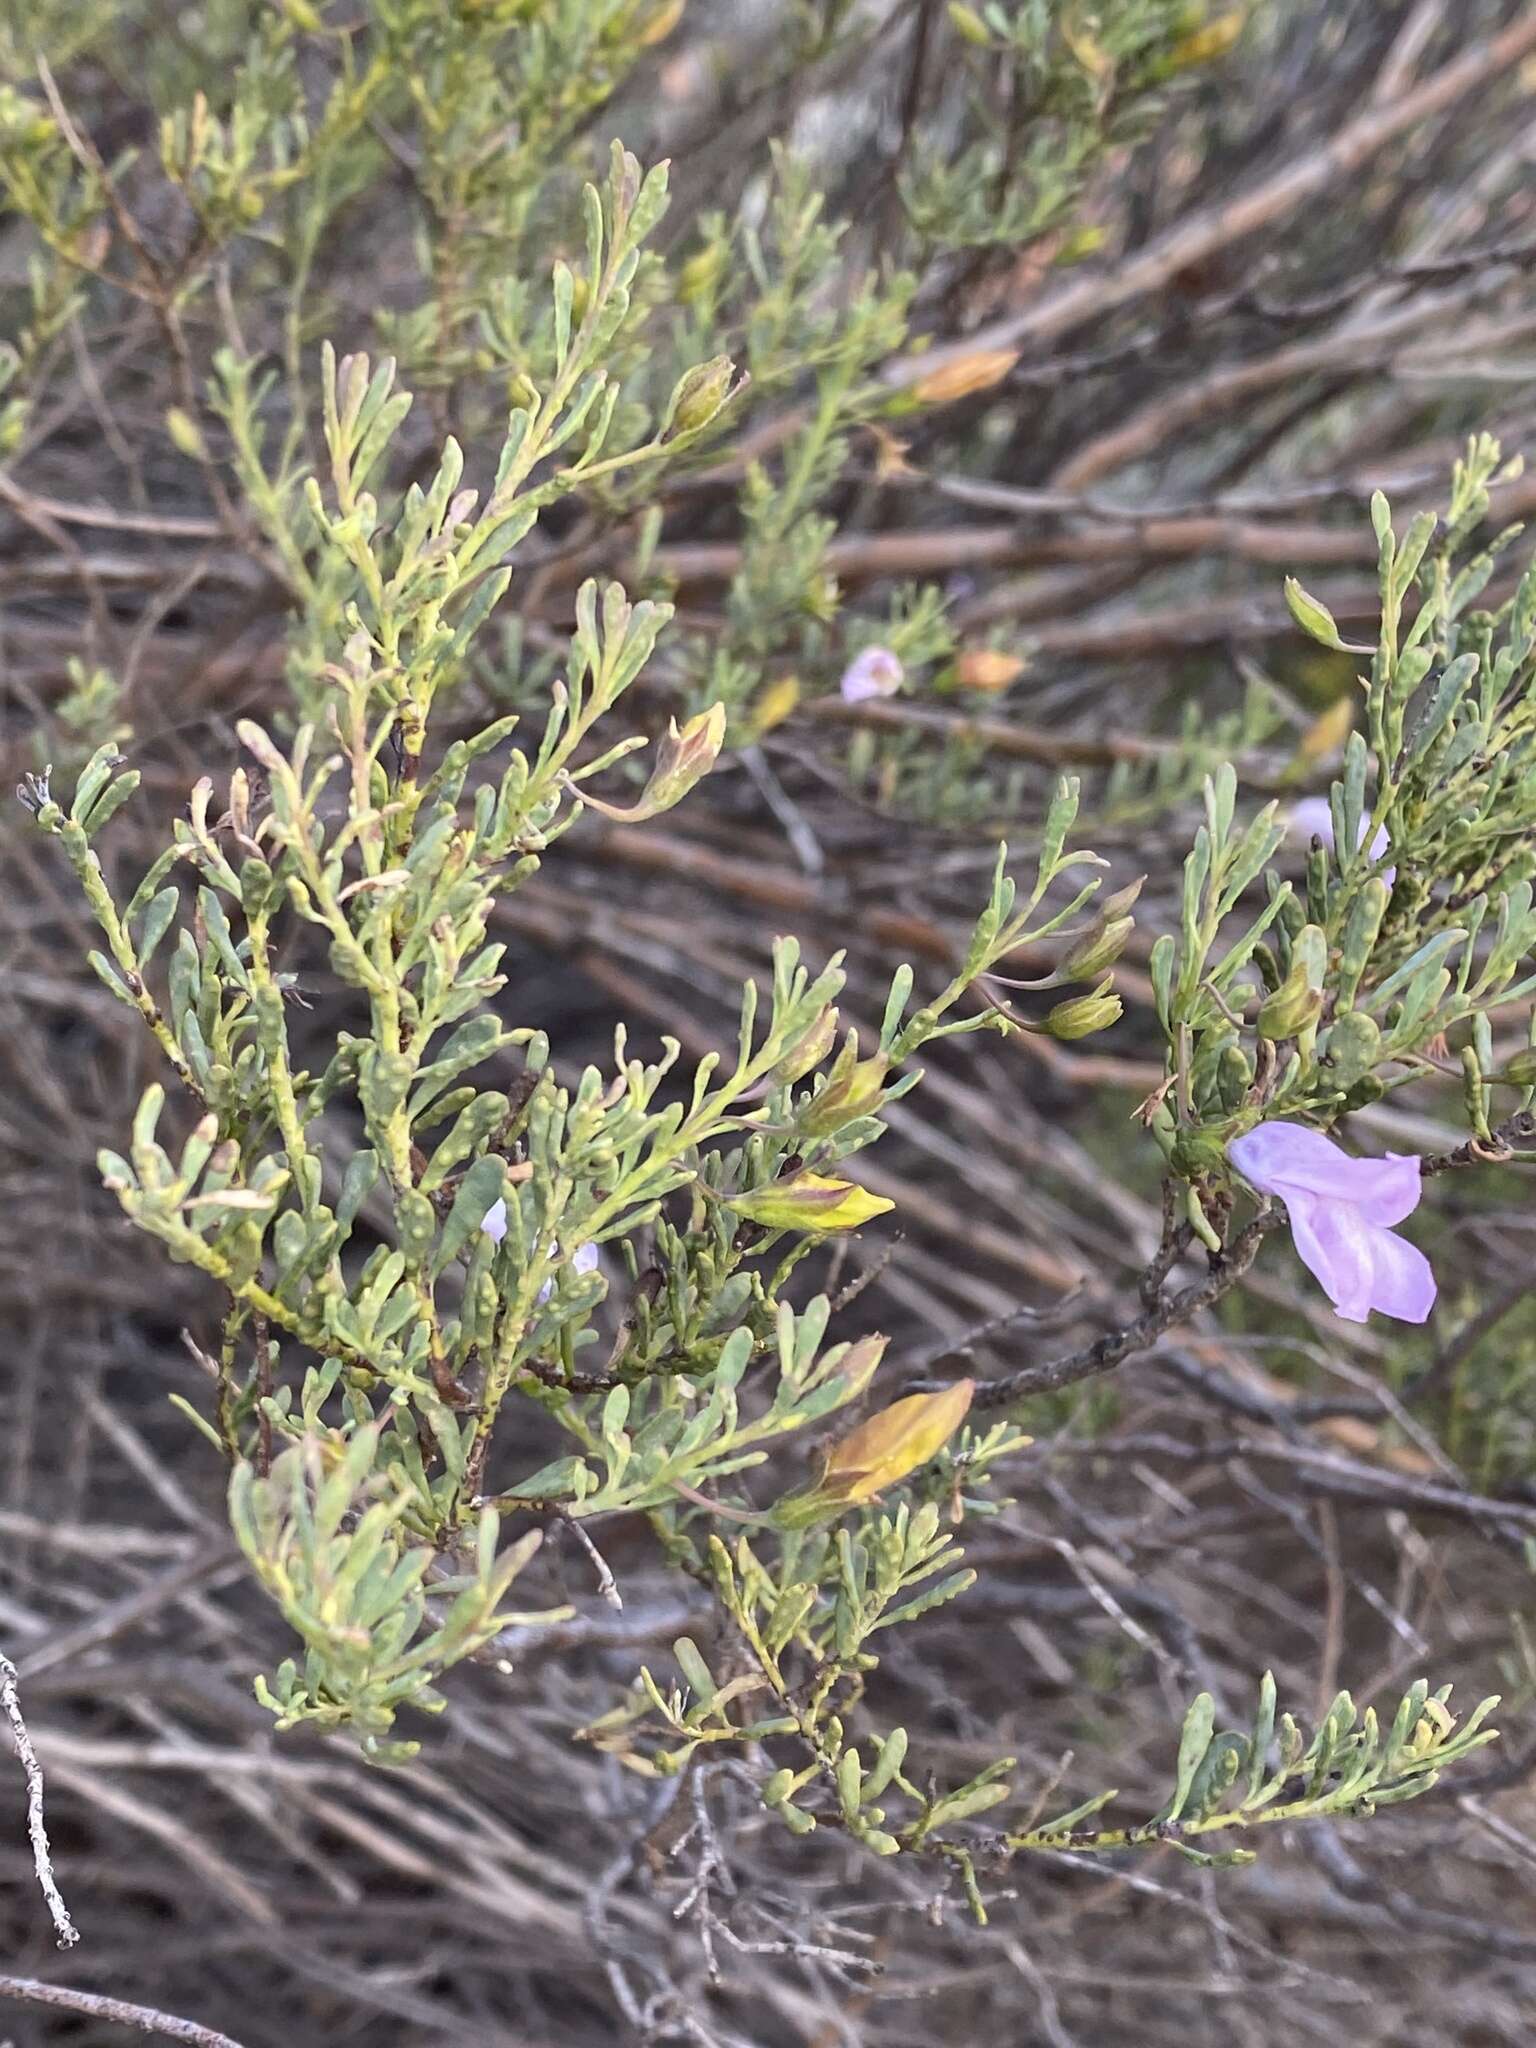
<point>471,1291</point>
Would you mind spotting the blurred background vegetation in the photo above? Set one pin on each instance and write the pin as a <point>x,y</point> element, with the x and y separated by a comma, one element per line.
<point>1071,330</point>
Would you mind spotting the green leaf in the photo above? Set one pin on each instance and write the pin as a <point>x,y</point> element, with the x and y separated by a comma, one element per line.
<point>1262,1735</point>
<point>157,921</point>
<point>94,777</point>
<point>1194,1741</point>
<point>109,976</point>
<point>695,1671</point>
<point>199,1422</point>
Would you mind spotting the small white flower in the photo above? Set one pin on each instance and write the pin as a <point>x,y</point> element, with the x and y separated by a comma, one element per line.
<point>494,1222</point>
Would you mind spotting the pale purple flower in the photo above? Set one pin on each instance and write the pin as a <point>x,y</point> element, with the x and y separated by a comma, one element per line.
<point>874,673</point>
<point>1312,818</point>
<point>1342,1210</point>
<point>583,1260</point>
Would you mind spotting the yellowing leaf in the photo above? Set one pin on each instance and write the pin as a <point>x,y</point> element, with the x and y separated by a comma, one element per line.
<point>1081,242</point>
<point>1203,45</point>
<point>808,1202</point>
<point>1327,733</point>
<point>774,703</point>
<point>968,23</point>
<point>890,454</point>
<point>978,371</point>
<point>662,23</point>
<point>684,757</point>
<point>185,433</point>
<point>893,1443</point>
<point>987,669</point>
<point>1088,51</point>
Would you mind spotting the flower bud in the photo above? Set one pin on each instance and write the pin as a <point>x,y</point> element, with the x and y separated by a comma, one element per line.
<point>186,435</point>
<point>1368,1089</point>
<point>1520,1069</point>
<point>698,396</point>
<point>1298,1002</point>
<point>1098,949</point>
<point>853,1089</point>
<point>700,273</point>
<point>685,757</point>
<point>1197,1151</point>
<point>1081,1016</point>
<point>1104,941</point>
<point>807,1051</point>
<point>808,1202</point>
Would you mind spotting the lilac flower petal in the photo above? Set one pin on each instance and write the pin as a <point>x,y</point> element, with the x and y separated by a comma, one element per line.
<point>877,672</point>
<point>1403,1282</point>
<point>1336,1246</point>
<point>583,1260</point>
<point>1280,1155</point>
<point>494,1222</point>
<point>1283,1159</point>
<point>1383,1190</point>
<point>1340,1211</point>
<point>1312,818</point>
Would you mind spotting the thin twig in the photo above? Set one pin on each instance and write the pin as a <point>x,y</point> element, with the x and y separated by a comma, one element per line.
<point>1106,1352</point>
<point>144,2019</point>
<point>68,1934</point>
<point>607,1585</point>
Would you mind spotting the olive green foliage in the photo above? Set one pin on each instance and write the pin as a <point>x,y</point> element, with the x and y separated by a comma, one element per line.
<point>1418,921</point>
<point>282,133</point>
<point>395,862</point>
<point>711,1195</point>
<point>383,1355</point>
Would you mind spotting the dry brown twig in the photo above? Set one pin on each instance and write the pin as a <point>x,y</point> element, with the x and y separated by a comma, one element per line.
<point>37,1831</point>
<point>141,2019</point>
